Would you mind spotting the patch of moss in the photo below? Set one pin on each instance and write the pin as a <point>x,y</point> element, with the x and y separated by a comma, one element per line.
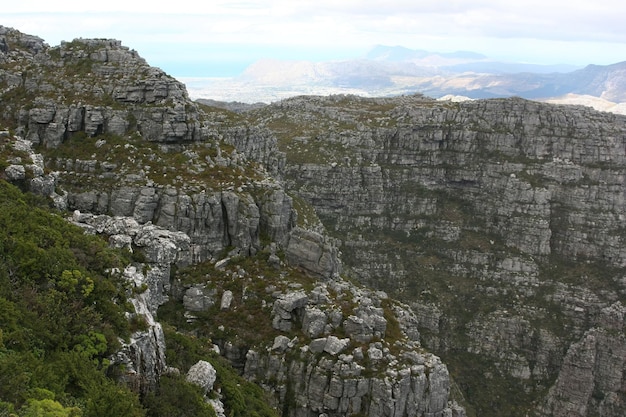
<point>307,216</point>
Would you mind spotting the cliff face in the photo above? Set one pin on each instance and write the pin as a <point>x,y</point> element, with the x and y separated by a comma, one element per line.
<point>500,222</point>
<point>120,146</point>
<point>591,377</point>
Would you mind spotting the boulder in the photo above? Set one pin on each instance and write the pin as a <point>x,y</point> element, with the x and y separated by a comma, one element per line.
<point>203,375</point>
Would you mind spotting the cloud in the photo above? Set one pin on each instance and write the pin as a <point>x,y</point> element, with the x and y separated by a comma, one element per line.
<point>537,19</point>
<point>550,20</point>
<point>564,31</point>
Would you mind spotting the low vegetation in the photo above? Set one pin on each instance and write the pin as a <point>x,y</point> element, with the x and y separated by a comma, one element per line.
<point>62,312</point>
<point>240,397</point>
<point>106,160</point>
<point>61,315</point>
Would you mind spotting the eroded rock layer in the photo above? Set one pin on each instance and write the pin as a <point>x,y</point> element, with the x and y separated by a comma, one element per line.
<point>501,222</point>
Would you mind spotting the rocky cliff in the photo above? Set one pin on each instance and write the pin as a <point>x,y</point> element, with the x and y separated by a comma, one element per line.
<point>498,224</point>
<point>196,194</point>
<point>499,221</point>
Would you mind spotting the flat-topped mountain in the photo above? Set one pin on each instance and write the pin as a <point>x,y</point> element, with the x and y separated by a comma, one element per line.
<point>392,256</point>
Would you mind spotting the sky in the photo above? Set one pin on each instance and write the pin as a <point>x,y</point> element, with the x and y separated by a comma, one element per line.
<point>218,38</point>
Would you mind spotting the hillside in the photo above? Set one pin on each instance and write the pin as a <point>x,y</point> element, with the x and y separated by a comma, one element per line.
<point>342,255</point>
<point>230,291</point>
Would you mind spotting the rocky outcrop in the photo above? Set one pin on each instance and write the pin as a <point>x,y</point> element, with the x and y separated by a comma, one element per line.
<point>212,220</point>
<point>337,386</point>
<point>215,221</point>
<point>316,345</point>
<point>202,374</point>
<point>161,248</point>
<point>258,144</point>
<point>95,86</point>
<point>240,220</point>
<point>344,350</point>
<point>590,381</point>
<point>27,168</point>
<point>142,357</point>
<point>313,252</point>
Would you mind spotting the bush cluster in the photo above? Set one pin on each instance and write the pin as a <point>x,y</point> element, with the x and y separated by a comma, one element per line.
<point>61,315</point>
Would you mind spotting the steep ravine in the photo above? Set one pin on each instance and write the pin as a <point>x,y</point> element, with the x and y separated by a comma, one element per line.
<point>501,222</point>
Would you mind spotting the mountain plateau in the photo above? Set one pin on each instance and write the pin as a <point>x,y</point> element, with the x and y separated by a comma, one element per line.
<point>392,256</point>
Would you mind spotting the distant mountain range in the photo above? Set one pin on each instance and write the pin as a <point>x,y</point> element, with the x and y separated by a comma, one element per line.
<point>387,71</point>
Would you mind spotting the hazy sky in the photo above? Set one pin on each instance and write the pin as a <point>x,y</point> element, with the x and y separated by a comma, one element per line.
<point>217,37</point>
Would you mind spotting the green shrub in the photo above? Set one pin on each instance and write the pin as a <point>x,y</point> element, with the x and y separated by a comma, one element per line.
<point>48,408</point>
<point>61,314</point>
<point>175,397</point>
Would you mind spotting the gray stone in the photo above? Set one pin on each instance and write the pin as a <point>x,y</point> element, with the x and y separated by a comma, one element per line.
<point>281,343</point>
<point>334,345</point>
<point>284,309</point>
<point>313,322</point>
<point>143,356</point>
<point>203,375</point>
<point>198,298</point>
<point>313,252</point>
<point>374,353</point>
<point>227,299</point>
<point>121,241</point>
<point>358,329</point>
<point>318,345</point>
<point>15,172</point>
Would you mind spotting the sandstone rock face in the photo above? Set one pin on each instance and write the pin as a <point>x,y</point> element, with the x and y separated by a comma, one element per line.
<point>313,252</point>
<point>143,357</point>
<point>161,247</point>
<point>213,221</point>
<point>590,381</point>
<point>217,220</point>
<point>412,391</point>
<point>499,221</point>
<point>258,144</point>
